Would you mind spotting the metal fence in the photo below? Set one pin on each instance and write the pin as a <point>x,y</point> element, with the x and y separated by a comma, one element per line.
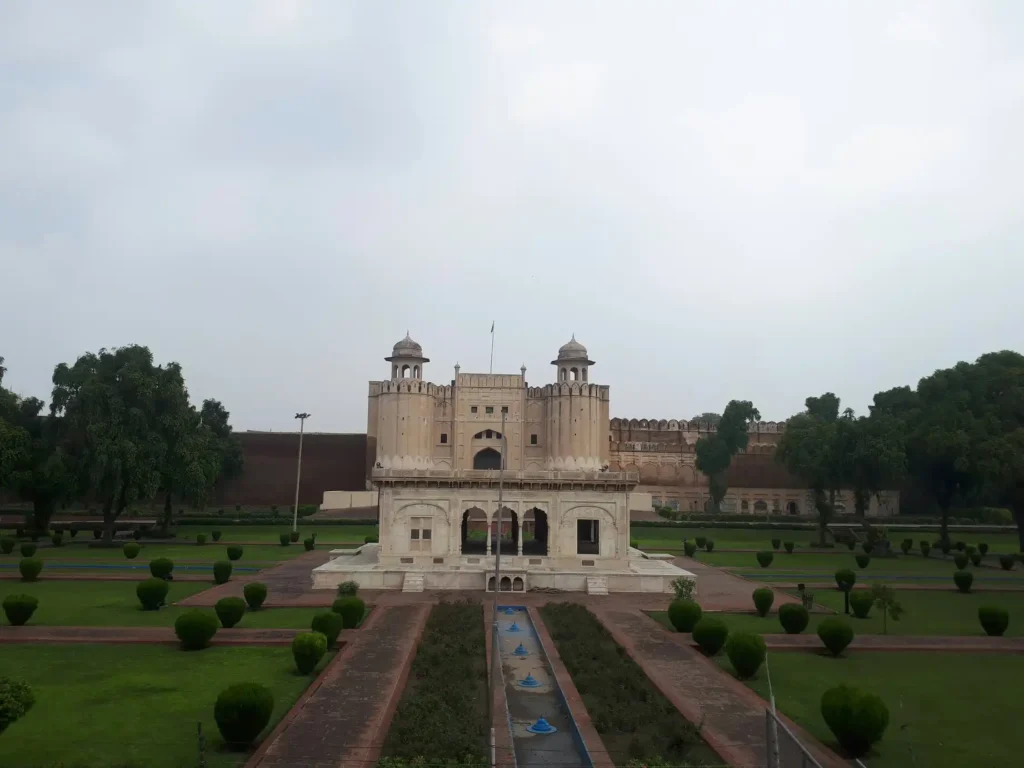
<point>784,750</point>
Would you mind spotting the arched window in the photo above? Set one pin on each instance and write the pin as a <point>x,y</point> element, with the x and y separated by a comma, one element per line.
<point>394,370</point>
<point>415,371</point>
<point>488,458</point>
<point>574,374</point>
<point>565,374</point>
<point>405,371</point>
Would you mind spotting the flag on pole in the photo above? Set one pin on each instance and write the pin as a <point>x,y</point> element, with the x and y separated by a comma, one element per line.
<point>492,326</point>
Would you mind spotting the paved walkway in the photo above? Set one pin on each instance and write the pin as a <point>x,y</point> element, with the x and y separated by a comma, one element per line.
<point>343,717</point>
<point>719,590</point>
<point>235,636</point>
<point>286,583</point>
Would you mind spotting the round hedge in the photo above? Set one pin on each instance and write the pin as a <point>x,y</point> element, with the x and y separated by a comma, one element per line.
<point>7,544</point>
<point>975,558</point>
<point>710,633</point>
<point>242,712</point>
<point>30,568</point>
<point>983,548</point>
<point>790,546</point>
<point>351,610</point>
<point>836,634</point>
<point>776,543</point>
<point>963,580</point>
<point>230,611</point>
<point>701,541</point>
<point>690,548</point>
<point>152,593</point>
<point>763,599</point>
<point>764,557</point>
<point>307,649</point>
<point>960,561</point>
<point>329,624</point>
<point>234,552</point>
<point>200,539</point>
<point>709,545</point>
<point>994,620</point>
<point>28,549</point>
<point>255,593</point>
<point>1007,561</point>
<point>684,614</point>
<point>857,719</point>
<point>925,548</point>
<point>131,550</point>
<point>293,536</point>
<point>794,618</point>
<point>161,568</point>
<point>57,539</point>
<point>861,602</point>
<point>862,560</point>
<point>309,544</point>
<point>19,608</point>
<point>746,652</point>
<point>16,698</point>
<point>348,589</point>
<point>195,629</point>
<point>285,539</point>
<point>906,545</point>
<point>867,546</point>
<point>222,571</point>
<point>846,578</point>
<point>215,535</point>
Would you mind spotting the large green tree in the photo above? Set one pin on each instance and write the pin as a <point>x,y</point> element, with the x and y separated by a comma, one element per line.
<point>715,452</point>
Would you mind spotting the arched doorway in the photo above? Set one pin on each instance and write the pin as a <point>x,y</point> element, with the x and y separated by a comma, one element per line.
<point>474,532</point>
<point>509,532</point>
<point>792,508</point>
<point>535,532</point>
<point>760,507</point>
<point>488,458</point>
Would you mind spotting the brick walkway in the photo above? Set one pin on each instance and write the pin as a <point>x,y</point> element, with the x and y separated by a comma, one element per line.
<point>234,636</point>
<point>719,590</point>
<point>343,718</point>
<point>286,583</point>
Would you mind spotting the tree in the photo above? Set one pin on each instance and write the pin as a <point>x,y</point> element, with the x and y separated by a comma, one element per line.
<point>877,458</point>
<point>709,417</point>
<point>215,416</point>
<point>885,600</point>
<point>13,438</point>
<point>715,452</point>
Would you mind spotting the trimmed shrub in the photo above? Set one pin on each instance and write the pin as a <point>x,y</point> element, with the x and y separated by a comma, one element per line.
<point>195,629</point>
<point>983,548</point>
<point>746,652</point>
<point>7,544</point>
<point>961,546</point>
<point>710,634</point>
<point>846,578</point>
<point>30,568</point>
<point>764,557</point>
<point>255,593</point>
<point>28,549</point>
<point>351,609</point>
<point>152,593</point>
<point>867,546</point>
<point>161,568</point>
<point>97,534</point>
<point>242,712</point>
<point>348,589</point>
<point>57,539</point>
<point>861,602</point>
<point>309,544</point>
<point>137,534</point>
<point>684,614</point>
<point>906,545</point>
<point>701,541</point>
<point>994,620</point>
<point>862,560</point>
<point>690,548</point>
<point>221,571</point>
<point>19,608</point>
<point>216,534</point>
<point>856,719</point>
<point>789,545</point>
<point>970,550</point>
<point>945,546</point>
<point>794,618</point>
<point>293,536</point>
<point>926,548</point>
<point>230,611</point>
<point>963,580</point>
<point>234,552</point>
<point>776,543</point>
<point>131,550</point>
<point>1007,562</point>
<point>200,539</point>
<point>307,649</point>
<point>976,558</point>
<point>709,545</point>
<point>329,624</point>
<point>285,539</point>
<point>16,699</point>
<point>370,539</point>
<point>851,544</point>
<point>835,634</point>
<point>960,561</point>
<point>763,599</point>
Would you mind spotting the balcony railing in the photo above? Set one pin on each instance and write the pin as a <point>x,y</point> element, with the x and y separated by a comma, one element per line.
<point>510,476</point>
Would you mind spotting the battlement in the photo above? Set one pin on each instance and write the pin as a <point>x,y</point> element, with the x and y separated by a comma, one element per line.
<point>572,388</point>
<point>683,425</point>
<point>414,386</point>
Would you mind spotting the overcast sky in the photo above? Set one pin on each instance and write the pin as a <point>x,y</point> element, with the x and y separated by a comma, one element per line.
<point>722,200</point>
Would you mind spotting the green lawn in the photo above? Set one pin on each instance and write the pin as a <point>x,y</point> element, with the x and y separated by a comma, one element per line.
<point>945,710</point>
<point>926,613</point>
<point>325,534</point>
<point>114,604</point>
<point>207,553</point>
<point>134,705</point>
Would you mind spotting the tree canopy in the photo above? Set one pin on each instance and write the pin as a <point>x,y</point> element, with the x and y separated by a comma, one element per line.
<point>715,451</point>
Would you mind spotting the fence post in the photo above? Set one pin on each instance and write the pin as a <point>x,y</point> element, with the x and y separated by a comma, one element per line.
<point>202,744</point>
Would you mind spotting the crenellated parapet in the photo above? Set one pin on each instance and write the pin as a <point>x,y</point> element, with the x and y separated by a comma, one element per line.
<point>693,425</point>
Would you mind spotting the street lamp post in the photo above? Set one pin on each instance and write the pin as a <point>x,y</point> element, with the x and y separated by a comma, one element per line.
<point>298,473</point>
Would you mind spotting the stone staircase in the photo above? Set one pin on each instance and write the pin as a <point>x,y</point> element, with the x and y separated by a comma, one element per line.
<point>596,585</point>
<point>413,582</point>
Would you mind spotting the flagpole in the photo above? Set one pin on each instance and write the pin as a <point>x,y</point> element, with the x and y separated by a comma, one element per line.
<point>491,369</point>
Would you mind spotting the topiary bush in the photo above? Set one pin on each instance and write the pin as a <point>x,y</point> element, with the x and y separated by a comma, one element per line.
<point>926,548</point>
<point>200,539</point>
<point>351,609</point>
<point>856,719</point>
<point>137,534</point>
<point>945,547</point>
<point>701,541</point>
<point>845,579</point>
<point>30,568</point>
<point>960,561</point>
<point>307,649</point>
<point>7,544</point>
<point>763,599</point>
<point>97,534</point>
<point>234,552</point>
<point>152,593</point>
<point>285,539</point>
<point>906,545</point>
<point>983,548</point>
<point>255,593</point>
<point>794,618</point>
<point>746,652</point>
<point>861,602</point>
<point>851,544</point>
<point>28,549</point>
<point>370,539</point>
<point>348,588</point>
<point>684,614</point>
<point>789,545</point>
<point>710,634</point>
<point>867,546</point>
<point>690,548</point>
<point>57,539</point>
<point>195,629</point>
<point>293,536</point>
<point>19,608</point>
<point>862,560</point>
<point>1006,561</point>
<point>309,544</point>
<point>963,580</point>
<point>764,557</point>
<point>242,712</point>
<point>161,568</point>
<point>216,534</point>
<point>221,571</point>
<point>970,549</point>
<point>131,550</point>
<point>329,624</point>
<point>230,611</point>
<point>961,546</point>
<point>836,634</point>
<point>776,543</point>
<point>975,558</point>
<point>16,699</point>
<point>709,545</point>
<point>994,620</point>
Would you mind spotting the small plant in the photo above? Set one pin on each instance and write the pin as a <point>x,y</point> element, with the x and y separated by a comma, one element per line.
<point>273,510</point>
<point>152,593</point>
<point>709,545</point>
<point>994,620</point>
<point>195,629</point>
<point>27,549</point>
<point>242,712</point>
<point>684,587</point>
<point>19,608</point>
<point>746,652</point>
<point>221,571</point>
<point>710,634</point>
<point>220,513</point>
<point>234,552</point>
<point>835,634</point>
<point>238,508</point>
<point>794,618</point>
<point>983,548</point>
<point>963,580</point>
<point>960,560</point>
<point>131,550</point>
<point>961,546</point>
<point>7,544</point>
<point>285,539</point>
<point>851,543</point>
<point>370,539</point>
<point>309,544</point>
<point>293,536</point>
<point>926,548</point>
<point>255,593</point>
<point>30,568</point>
<point>215,535</point>
<point>200,539</point>
<point>1007,561</point>
<point>348,589</point>
<point>945,547</point>
<point>906,545</point>
<point>161,568</point>
<point>856,719</point>
<point>351,609</point>
<point>764,557</point>
<point>16,699</point>
<point>329,624</point>
<point>776,543</point>
<point>867,547</point>
<point>861,602</point>
<point>57,539</point>
<point>701,541</point>
<point>862,560</point>
<point>230,611</point>
<point>307,649</point>
<point>884,598</point>
<point>763,599</point>
<point>137,534</point>
<point>970,549</point>
<point>975,558</point>
<point>845,579</point>
<point>690,548</point>
<point>790,546</point>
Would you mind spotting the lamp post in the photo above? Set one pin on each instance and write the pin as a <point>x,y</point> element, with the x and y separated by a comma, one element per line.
<point>298,473</point>
<point>495,649</point>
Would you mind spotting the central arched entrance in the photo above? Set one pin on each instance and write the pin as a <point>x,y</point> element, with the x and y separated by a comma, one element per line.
<point>535,532</point>
<point>474,532</point>
<point>509,532</point>
<point>488,458</point>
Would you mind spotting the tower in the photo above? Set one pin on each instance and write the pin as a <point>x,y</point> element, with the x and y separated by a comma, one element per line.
<point>407,359</point>
<point>577,413</point>
<point>572,361</point>
<point>401,413</point>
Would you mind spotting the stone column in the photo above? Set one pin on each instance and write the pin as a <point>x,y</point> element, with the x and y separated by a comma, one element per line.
<point>489,522</point>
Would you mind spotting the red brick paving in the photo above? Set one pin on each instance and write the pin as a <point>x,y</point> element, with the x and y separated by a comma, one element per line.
<point>286,582</point>
<point>235,636</point>
<point>719,590</point>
